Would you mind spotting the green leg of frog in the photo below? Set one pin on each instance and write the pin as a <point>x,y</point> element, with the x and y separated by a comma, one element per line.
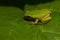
<point>46,20</point>
<point>37,21</point>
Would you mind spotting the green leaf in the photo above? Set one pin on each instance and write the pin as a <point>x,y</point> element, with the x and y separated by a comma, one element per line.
<point>49,31</point>
<point>14,27</point>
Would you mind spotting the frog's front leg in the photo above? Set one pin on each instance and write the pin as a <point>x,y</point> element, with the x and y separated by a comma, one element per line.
<point>36,21</point>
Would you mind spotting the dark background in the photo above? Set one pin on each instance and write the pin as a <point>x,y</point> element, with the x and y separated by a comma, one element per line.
<point>21,3</point>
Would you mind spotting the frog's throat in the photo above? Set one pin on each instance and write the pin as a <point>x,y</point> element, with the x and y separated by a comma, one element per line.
<point>36,21</point>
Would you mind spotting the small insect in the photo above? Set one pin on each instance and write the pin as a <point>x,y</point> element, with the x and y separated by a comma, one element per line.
<point>38,16</point>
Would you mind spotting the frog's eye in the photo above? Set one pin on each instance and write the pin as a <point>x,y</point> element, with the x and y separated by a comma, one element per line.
<point>28,18</point>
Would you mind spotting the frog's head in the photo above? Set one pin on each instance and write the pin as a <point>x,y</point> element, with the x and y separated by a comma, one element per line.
<point>42,15</point>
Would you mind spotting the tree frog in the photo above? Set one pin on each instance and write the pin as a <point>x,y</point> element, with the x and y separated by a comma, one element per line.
<point>38,16</point>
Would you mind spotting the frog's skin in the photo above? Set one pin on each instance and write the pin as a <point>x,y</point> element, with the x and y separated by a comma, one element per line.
<point>42,14</point>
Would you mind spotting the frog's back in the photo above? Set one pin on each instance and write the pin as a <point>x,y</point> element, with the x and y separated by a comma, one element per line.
<point>37,13</point>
